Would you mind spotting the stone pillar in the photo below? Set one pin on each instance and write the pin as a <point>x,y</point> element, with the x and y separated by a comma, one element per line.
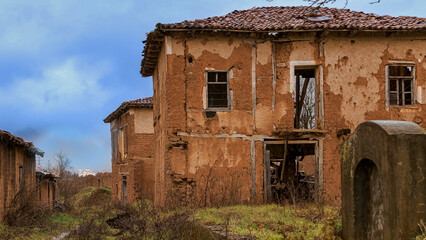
<point>383,180</point>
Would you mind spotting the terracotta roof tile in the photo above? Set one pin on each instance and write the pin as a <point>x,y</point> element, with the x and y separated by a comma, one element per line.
<point>288,18</point>
<point>9,138</point>
<point>137,103</point>
<point>269,19</point>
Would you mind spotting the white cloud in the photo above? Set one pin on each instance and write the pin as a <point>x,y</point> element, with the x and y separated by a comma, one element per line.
<point>71,85</point>
<point>31,27</point>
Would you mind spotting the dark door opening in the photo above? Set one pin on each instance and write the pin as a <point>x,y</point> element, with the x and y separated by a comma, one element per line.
<point>124,189</point>
<point>368,201</point>
<point>290,172</point>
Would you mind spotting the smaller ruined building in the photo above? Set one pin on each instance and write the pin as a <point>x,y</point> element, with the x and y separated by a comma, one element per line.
<point>17,168</point>
<point>46,187</point>
<point>132,135</point>
<point>383,181</point>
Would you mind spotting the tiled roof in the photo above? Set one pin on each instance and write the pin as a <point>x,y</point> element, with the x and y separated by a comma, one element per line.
<point>137,103</point>
<point>9,138</point>
<point>301,18</point>
<point>282,19</point>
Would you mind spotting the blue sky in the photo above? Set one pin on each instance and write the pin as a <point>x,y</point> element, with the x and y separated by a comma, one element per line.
<point>65,65</point>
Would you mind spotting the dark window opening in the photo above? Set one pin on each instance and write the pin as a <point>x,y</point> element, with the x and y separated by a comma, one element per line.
<point>115,152</point>
<point>21,177</point>
<point>305,99</point>
<point>292,174</point>
<point>124,189</point>
<point>217,89</point>
<point>401,85</point>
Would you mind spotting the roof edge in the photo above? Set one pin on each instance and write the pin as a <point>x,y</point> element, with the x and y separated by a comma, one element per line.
<point>124,107</point>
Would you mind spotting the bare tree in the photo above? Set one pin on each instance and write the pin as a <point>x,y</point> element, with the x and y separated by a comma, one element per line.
<point>307,114</point>
<point>320,3</point>
<point>62,163</point>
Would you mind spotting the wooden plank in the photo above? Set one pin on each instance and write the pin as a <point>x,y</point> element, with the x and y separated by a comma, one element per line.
<point>267,175</point>
<point>285,160</point>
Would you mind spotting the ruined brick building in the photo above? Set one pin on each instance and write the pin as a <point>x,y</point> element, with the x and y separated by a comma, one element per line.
<point>47,192</point>
<point>132,146</point>
<point>251,102</point>
<point>17,168</point>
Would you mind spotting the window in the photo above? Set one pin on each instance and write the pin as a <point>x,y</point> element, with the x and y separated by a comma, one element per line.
<point>305,99</point>
<point>119,144</point>
<point>21,177</point>
<point>115,153</point>
<point>401,81</point>
<point>217,90</point>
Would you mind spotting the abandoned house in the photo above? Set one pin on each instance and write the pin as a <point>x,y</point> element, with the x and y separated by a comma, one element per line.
<point>17,168</point>
<point>253,106</point>
<point>132,148</point>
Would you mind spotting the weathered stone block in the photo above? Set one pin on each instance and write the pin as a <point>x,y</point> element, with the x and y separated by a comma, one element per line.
<point>383,180</point>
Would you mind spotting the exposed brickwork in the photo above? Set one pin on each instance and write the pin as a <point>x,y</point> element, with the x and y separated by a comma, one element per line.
<point>15,154</point>
<point>132,141</point>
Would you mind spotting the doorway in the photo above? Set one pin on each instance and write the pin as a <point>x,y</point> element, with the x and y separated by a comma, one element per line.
<point>291,171</point>
<point>368,201</point>
<point>124,189</point>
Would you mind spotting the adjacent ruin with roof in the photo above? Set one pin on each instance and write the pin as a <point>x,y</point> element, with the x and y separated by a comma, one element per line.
<point>249,103</point>
<point>132,145</point>
<point>18,173</point>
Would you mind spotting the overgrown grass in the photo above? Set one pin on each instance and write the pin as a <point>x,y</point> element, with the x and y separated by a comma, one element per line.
<point>52,226</point>
<point>273,221</point>
<point>92,207</point>
<point>63,221</point>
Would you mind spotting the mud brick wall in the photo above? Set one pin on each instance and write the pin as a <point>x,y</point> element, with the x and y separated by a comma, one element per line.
<point>137,164</point>
<point>11,158</point>
<point>47,192</point>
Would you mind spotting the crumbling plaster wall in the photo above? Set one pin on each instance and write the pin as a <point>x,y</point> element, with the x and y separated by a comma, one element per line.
<point>161,137</point>
<point>350,85</point>
<point>354,88</point>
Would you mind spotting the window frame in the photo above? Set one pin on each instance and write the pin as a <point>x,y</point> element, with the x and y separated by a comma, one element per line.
<point>398,79</point>
<point>228,92</point>
<point>315,68</point>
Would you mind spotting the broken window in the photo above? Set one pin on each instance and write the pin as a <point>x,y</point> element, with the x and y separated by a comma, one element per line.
<point>290,172</point>
<point>217,90</point>
<point>120,146</point>
<point>400,80</point>
<point>305,98</point>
